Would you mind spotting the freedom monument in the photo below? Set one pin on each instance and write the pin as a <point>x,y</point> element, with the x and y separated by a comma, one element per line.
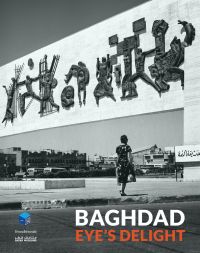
<point>142,61</point>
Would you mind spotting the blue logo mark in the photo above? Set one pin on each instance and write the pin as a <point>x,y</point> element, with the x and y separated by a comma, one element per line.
<point>24,218</point>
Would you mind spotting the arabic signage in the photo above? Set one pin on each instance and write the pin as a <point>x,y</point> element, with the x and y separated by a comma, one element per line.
<point>189,153</point>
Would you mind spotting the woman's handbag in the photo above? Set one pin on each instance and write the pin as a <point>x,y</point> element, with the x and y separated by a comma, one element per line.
<point>131,176</point>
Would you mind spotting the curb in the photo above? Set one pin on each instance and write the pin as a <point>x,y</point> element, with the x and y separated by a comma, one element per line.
<point>53,204</point>
<point>170,199</point>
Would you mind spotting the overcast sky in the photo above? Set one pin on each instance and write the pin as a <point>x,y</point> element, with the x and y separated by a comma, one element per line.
<point>27,25</point>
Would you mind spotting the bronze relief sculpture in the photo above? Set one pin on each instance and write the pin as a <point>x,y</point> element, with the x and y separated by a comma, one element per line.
<point>118,75</point>
<point>12,96</point>
<point>30,63</point>
<point>47,83</point>
<point>166,67</point>
<point>29,93</point>
<point>9,115</point>
<point>82,74</point>
<point>104,77</point>
<point>67,97</point>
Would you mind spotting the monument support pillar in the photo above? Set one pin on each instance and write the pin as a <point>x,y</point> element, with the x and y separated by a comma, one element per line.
<point>192,101</point>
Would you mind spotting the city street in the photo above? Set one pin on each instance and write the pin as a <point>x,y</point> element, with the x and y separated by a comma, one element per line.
<point>56,231</point>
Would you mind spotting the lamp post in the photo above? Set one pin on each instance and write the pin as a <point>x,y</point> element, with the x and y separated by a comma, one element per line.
<point>5,168</point>
<point>27,166</point>
<point>5,165</point>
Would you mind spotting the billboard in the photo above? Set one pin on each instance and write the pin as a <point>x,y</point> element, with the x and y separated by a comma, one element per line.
<point>190,153</point>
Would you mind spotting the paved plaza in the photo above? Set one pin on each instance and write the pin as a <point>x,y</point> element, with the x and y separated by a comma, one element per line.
<point>163,190</point>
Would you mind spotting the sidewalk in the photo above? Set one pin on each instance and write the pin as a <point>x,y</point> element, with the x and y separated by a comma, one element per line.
<point>101,191</point>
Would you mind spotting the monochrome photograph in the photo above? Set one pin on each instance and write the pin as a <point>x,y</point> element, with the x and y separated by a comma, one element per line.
<point>99,126</point>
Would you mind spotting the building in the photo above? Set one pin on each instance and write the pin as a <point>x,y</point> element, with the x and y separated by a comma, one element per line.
<point>42,159</point>
<point>150,156</point>
<point>7,164</point>
<point>10,161</point>
<point>153,157</point>
<point>16,151</point>
<point>159,159</point>
<point>49,158</point>
<point>105,162</point>
<point>138,155</point>
<point>108,162</point>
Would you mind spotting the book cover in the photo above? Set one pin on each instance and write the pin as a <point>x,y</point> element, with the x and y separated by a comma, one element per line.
<point>99,126</point>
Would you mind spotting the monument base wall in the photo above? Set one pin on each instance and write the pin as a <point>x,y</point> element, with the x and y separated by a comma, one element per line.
<point>191,173</point>
<point>42,184</point>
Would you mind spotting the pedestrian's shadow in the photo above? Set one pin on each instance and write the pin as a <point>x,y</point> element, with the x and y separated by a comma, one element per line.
<point>136,195</point>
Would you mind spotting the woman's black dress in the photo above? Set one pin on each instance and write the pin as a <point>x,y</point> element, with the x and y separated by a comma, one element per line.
<point>123,162</point>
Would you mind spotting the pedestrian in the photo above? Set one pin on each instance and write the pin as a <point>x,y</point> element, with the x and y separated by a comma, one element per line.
<point>124,163</point>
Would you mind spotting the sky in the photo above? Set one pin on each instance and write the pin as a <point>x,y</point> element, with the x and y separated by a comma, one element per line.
<point>27,25</point>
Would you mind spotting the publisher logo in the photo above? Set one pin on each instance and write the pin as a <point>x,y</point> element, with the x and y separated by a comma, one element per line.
<point>25,235</point>
<point>24,218</point>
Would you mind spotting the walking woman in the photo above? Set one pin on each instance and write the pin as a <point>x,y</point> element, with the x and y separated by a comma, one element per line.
<point>123,163</point>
